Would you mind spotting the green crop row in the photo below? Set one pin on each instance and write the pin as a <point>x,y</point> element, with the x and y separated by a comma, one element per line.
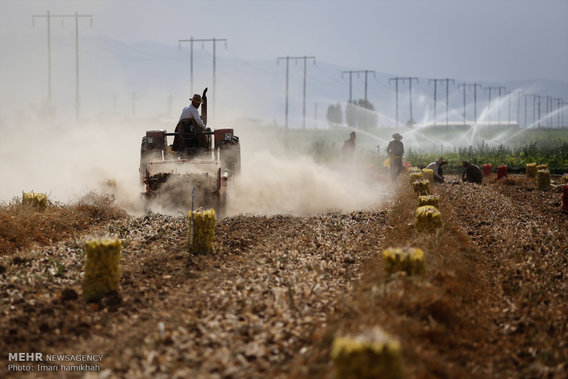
<point>514,158</point>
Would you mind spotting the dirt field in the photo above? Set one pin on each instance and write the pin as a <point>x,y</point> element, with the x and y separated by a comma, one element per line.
<point>493,301</point>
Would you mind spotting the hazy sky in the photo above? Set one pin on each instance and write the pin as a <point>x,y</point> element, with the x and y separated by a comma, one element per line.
<point>492,40</point>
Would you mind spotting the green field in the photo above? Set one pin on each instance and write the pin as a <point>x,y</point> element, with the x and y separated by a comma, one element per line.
<point>511,147</point>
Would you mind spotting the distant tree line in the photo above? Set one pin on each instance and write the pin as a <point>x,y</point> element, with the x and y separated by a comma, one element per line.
<point>359,114</point>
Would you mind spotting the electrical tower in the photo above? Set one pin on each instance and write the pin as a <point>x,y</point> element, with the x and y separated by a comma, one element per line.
<point>535,97</point>
<point>76,16</point>
<point>518,93</point>
<point>475,86</point>
<point>508,93</point>
<point>490,91</point>
<point>403,79</point>
<point>499,108</point>
<point>304,58</point>
<point>447,81</point>
<point>464,86</point>
<point>366,72</point>
<point>214,42</point>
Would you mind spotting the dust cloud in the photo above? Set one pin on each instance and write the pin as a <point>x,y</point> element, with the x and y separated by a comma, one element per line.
<point>67,162</point>
<point>279,180</point>
<point>299,186</point>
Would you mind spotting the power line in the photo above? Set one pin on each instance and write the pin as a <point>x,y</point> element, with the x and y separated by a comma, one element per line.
<point>475,86</point>
<point>214,41</point>
<point>403,79</point>
<point>526,109</point>
<point>508,93</point>
<point>499,108</point>
<point>447,81</point>
<point>49,16</point>
<point>490,91</point>
<point>304,58</point>
<point>558,110</point>
<point>464,86</point>
<point>518,93</point>
<point>351,72</point>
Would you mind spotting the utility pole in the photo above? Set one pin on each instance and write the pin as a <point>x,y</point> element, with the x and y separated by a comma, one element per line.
<point>366,73</point>
<point>538,97</point>
<point>396,92</point>
<point>214,41</point>
<point>447,80</point>
<point>490,90</point>
<point>549,110</point>
<point>190,40</point>
<point>350,82</point>
<point>464,85</point>
<point>435,95</point>
<point>499,108</point>
<point>475,86</point>
<point>534,109</point>
<point>508,93</point>
<point>403,79</point>
<point>518,93</point>
<point>410,96</point>
<point>558,110</point>
<point>304,58</point>
<point>48,18</point>
<point>76,16</point>
<point>526,109</point>
<point>447,96</point>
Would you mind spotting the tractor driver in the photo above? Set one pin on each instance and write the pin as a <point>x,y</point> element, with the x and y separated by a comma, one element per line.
<point>190,117</point>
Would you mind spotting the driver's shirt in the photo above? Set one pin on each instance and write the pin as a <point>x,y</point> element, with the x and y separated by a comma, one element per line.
<point>192,113</point>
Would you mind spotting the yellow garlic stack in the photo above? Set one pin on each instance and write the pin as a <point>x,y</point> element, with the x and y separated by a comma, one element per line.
<point>102,268</point>
<point>421,187</point>
<point>543,180</point>
<point>203,231</point>
<point>408,260</point>
<point>37,201</point>
<point>374,354</point>
<point>531,170</point>
<point>428,218</point>
<point>433,200</point>
<point>415,176</point>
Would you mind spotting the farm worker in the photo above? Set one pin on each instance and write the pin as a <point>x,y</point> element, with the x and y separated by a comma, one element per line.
<point>395,150</point>
<point>190,119</point>
<point>471,173</point>
<point>437,168</point>
<point>349,145</point>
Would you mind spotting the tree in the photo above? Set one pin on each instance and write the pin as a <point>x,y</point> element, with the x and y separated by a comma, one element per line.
<point>334,114</point>
<point>361,114</point>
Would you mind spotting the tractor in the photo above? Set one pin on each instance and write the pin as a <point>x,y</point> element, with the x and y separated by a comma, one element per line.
<point>194,171</point>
